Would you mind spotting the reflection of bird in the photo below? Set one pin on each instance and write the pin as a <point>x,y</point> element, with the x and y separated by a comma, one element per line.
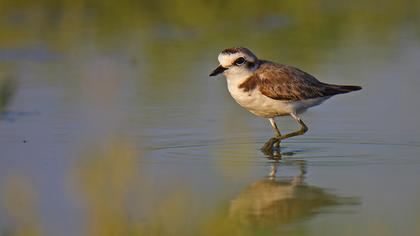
<point>268,89</point>
<point>274,202</point>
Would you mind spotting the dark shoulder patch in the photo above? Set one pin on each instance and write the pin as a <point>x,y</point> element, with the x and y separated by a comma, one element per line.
<point>250,84</point>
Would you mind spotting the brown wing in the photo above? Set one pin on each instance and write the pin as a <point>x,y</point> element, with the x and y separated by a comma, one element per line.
<point>282,82</point>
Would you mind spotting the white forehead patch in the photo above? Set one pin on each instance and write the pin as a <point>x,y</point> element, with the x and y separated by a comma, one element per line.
<point>226,60</point>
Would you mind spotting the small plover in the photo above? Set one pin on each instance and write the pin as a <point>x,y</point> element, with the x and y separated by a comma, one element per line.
<point>269,89</point>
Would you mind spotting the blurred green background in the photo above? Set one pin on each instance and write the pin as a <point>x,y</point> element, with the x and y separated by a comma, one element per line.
<point>109,124</point>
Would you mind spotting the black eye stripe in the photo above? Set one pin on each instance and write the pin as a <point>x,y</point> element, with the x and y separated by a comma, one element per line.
<point>250,64</point>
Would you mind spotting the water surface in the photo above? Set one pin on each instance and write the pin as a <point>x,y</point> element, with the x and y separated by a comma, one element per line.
<point>110,124</point>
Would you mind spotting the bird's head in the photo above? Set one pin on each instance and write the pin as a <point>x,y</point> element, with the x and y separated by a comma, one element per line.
<point>236,61</point>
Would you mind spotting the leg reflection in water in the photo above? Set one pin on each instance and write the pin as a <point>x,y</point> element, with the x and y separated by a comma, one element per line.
<point>276,164</point>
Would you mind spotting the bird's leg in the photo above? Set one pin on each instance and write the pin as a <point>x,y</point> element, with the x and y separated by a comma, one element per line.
<point>274,125</point>
<point>268,146</point>
<point>302,130</point>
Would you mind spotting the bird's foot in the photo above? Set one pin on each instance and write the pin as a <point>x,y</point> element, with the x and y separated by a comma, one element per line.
<point>271,146</point>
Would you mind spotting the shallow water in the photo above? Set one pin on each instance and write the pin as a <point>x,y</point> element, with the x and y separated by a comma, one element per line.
<point>110,124</point>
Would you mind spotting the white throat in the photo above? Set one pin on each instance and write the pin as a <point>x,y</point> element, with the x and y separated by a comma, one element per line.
<point>235,79</point>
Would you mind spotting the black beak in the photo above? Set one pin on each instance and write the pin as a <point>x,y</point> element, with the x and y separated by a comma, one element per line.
<point>218,70</point>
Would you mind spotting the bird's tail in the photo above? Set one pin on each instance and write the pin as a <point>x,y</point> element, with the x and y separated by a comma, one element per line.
<point>337,89</point>
<point>348,88</point>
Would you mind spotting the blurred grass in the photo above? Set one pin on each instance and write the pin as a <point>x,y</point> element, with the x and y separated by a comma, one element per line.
<point>20,205</point>
<point>180,28</point>
<point>7,90</point>
<point>112,189</point>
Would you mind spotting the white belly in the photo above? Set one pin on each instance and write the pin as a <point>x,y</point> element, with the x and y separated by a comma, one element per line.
<point>263,106</point>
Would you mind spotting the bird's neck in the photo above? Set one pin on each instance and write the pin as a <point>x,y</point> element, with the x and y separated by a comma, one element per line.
<point>236,78</point>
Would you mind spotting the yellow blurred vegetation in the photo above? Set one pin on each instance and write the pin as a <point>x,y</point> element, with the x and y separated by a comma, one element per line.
<point>7,90</point>
<point>180,28</point>
<point>112,185</point>
<point>19,200</point>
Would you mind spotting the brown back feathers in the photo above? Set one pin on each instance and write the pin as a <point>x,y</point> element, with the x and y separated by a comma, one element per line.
<point>282,82</point>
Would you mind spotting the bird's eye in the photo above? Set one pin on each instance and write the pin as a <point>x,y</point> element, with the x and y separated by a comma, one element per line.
<point>239,61</point>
